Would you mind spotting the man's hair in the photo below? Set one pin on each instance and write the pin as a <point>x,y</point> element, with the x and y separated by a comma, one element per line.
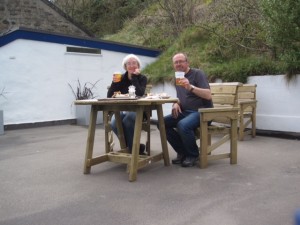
<point>181,53</point>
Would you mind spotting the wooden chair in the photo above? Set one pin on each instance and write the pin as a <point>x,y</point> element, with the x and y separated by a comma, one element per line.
<point>221,121</point>
<point>247,110</point>
<point>109,134</point>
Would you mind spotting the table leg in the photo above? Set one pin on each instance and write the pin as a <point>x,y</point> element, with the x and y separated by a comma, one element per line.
<point>163,136</point>
<point>120,130</point>
<point>136,144</point>
<point>90,140</point>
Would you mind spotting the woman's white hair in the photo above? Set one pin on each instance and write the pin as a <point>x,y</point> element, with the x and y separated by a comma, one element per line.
<point>130,56</point>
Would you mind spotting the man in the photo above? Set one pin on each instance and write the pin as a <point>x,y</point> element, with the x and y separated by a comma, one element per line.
<point>193,93</point>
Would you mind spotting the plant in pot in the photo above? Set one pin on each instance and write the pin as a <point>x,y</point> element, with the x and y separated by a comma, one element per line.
<point>83,92</point>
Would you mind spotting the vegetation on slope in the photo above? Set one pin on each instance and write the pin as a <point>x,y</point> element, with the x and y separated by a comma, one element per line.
<point>228,39</point>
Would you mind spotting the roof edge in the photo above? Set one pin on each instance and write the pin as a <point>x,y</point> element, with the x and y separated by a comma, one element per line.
<point>37,35</point>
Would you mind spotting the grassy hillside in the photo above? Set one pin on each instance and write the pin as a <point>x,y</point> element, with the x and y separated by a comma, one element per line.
<point>225,44</point>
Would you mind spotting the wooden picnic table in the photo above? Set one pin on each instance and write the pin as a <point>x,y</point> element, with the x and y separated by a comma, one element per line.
<point>133,160</point>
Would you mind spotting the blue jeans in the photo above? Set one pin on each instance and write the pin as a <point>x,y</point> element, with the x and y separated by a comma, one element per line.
<point>180,132</point>
<point>128,122</point>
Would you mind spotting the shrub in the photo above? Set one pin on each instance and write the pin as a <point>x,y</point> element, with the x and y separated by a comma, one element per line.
<point>281,22</point>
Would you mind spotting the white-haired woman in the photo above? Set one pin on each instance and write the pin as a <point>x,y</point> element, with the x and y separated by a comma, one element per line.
<point>131,63</point>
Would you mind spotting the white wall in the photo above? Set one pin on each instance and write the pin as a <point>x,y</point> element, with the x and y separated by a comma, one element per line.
<point>278,106</point>
<point>36,76</point>
<point>170,90</point>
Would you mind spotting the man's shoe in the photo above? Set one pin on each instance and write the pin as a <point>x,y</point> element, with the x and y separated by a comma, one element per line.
<point>142,149</point>
<point>178,160</point>
<point>189,161</point>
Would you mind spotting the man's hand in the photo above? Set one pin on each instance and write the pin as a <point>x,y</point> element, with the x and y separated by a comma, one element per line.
<point>176,110</point>
<point>184,82</point>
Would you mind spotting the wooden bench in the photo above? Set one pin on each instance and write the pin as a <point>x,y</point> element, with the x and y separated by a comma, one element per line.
<point>109,134</point>
<point>224,119</point>
<point>247,110</point>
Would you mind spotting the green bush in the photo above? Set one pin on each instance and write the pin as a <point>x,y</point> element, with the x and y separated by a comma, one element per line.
<point>240,69</point>
<point>281,21</point>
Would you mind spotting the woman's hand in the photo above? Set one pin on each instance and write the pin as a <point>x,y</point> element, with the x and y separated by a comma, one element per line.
<point>136,71</point>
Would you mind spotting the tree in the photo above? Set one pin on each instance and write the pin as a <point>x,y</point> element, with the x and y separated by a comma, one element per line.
<point>234,27</point>
<point>181,13</point>
<point>102,17</point>
<point>281,20</point>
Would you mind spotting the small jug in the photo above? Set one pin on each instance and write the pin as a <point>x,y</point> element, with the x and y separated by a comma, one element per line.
<point>131,91</point>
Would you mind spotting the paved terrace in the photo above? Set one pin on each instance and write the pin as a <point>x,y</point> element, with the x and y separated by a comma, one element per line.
<point>42,183</point>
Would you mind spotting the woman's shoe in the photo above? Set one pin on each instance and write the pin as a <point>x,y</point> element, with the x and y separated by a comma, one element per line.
<point>142,149</point>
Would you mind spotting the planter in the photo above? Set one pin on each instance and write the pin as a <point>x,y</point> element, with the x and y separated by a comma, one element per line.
<point>82,113</point>
<point>1,123</point>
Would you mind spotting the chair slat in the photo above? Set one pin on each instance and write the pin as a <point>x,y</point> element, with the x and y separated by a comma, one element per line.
<point>247,114</point>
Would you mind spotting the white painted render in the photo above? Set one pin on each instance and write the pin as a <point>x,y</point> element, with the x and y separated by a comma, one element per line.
<point>278,107</point>
<point>36,74</point>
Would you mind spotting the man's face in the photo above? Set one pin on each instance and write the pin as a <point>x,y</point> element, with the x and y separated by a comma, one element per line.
<point>180,63</point>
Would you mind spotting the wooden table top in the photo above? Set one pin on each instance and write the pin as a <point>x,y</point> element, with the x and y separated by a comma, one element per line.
<point>123,101</point>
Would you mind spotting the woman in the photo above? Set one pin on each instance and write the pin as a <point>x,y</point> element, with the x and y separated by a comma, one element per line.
<point>131,63</point>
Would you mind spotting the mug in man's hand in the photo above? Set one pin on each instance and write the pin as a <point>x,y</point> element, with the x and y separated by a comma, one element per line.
<point>178,76</point>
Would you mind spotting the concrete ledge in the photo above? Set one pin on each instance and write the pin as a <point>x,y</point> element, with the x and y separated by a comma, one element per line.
<point>39,124</point>
<point>279,134</point>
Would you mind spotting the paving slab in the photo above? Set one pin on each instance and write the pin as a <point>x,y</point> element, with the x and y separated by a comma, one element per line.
<point>42,183</point>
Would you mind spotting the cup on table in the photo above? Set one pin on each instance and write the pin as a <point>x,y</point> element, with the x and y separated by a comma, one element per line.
<point>178,76</point>
<point>117,77</point>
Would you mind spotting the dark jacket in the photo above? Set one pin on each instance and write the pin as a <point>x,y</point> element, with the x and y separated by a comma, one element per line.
<point>139,81</point>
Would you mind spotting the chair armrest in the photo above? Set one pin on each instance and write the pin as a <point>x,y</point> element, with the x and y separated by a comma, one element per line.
<point>209,114</point>
<point>248,102</point>
<point>219,109</point>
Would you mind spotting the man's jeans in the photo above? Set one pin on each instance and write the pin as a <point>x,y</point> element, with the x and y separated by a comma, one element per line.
<point>181,132</point>
<point>128,121</point>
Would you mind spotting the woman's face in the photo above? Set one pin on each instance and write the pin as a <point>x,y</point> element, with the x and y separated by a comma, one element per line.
<point>131,65</point>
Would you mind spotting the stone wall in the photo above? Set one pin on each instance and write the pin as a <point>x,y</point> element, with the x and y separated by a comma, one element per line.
<point>36,14</point>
